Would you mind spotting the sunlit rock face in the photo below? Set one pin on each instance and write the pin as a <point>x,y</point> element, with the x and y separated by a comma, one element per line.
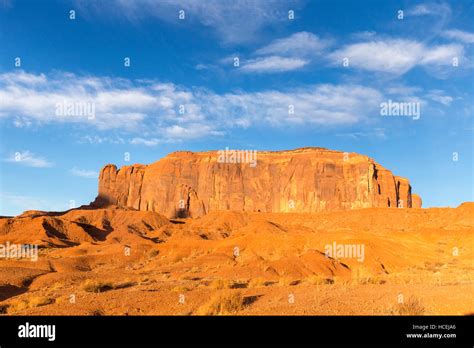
<point>191,184</point>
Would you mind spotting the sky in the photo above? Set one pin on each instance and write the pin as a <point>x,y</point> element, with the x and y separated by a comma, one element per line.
<point>86,83</point>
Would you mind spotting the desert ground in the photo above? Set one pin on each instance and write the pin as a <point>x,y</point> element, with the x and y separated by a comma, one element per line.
<point>119,261</point>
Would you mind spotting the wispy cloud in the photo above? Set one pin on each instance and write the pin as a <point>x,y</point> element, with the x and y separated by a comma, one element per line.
<point>285,54</point>
<point>378,133</point>
<point>459,35</point>
<point>430,9</point>
<point>324,104</point>
<point>440,97</point>
<point>29,159</point>
<point>396,56</point>
<point>235,21</point>
<point>299,44</point>
<point>172,113</point>
<point>190,131</point>
<point>83,173</point>
<point>144,141</point>
<point>96,139</point>
<point>273,64</point>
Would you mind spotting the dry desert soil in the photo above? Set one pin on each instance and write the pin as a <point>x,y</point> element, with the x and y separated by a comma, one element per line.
<point>118,261</point>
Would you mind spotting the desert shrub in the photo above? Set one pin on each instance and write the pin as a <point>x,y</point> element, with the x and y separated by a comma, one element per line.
<point>238,284</point>
<point>364,276</point>
<point>223,303</point>
<point>341,280</point>
<point>412,306</point>
<point>257,282</point>
<point>180,288</point>
<point>316,279</point>
<point>96,286</point>
<point>219,284</point>
<point>32,302</point>
<point>38,301</point>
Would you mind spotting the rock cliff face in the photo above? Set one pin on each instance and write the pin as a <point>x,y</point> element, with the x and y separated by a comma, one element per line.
<point>189,184</point>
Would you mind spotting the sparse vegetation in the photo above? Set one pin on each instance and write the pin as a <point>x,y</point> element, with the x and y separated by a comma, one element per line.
<point>38,301</point>
<point>412,306</point>
<point>316,279</point>
<point>96,286</point>
<point>238,284</point>
<point>219,284</point>
<point>181,288</point>
<point>345,281</point>
<point>223,303</point>
<point>32,302</point>
<point>364,276</point>
<point>257,282</point>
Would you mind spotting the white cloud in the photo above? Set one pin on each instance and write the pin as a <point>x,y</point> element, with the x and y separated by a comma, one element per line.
<point>22,77</point>
<point>442,55</point>
<point>440,97</point>
<point>234,21</point>
<point>273,64</point>
<point>149,112</point>
<point>430,9</point>
<point>378,133</point>
<point>29,159</point>
<point>117,103</point>
<point>399,89</point>
<point>190,131</point>
<point>459,35</point>
<point>146,142</point>
<point>95,139</point>
<point>83,173</point>
<point>298,44</point>
<point>395,56</point>
<point>364,35</point>
<point>312,105</point>
<point>285,54</point>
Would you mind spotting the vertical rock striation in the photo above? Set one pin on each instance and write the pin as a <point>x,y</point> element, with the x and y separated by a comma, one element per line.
<point>302,180</point>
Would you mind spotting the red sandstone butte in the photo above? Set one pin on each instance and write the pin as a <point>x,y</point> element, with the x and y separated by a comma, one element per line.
<point>191,184</point>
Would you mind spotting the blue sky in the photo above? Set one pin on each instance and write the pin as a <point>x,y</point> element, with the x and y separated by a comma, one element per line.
<point>182,89</point>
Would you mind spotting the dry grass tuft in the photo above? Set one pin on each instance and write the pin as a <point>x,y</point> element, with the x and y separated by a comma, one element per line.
<point>257,282</point>
<point>316,279</point>
<point>38,301</point>
<point>32,302</point>
<point>412,306</point>
<point>219,284</point>
<point>364,276</point>
<point>341,280</point>
<point>181,288</point>
<point>96,286</point>
<point>223,303</point>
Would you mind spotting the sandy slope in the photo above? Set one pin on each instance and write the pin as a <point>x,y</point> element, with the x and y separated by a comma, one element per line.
<point>115,261</point>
